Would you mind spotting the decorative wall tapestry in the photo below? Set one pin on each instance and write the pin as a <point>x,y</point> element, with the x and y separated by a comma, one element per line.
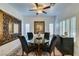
<point>7,28</point>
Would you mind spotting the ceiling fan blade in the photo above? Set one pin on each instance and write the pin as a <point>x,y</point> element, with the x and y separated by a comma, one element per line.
<point>32,10</point>
<point>46,7</point>
<point>44,12</point>
<point>51,4</point>
<point>36,4</point>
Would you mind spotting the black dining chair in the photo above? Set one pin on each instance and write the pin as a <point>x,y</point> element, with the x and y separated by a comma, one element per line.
<point>30,35</point>
<point>46,37</point>
<point>25,47</point>
<point>50,48</point>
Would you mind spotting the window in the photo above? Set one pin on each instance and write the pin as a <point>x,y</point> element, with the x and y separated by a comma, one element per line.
<point>51,29</point>
<point>73,27</point>
<point>16,28</point>
<point>63,25</point>
<point>27,28</point>
<point>67,26</point>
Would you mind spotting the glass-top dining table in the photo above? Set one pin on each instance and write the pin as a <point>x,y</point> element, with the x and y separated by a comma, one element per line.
<point>39,41</point>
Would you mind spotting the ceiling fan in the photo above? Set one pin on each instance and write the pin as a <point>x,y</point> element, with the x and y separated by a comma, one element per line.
<point>40,8</point>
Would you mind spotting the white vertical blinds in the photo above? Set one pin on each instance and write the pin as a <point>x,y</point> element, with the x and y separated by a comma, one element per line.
<point>69,26</point>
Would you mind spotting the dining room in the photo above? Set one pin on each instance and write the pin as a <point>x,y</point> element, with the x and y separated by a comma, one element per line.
<point>39,29</point>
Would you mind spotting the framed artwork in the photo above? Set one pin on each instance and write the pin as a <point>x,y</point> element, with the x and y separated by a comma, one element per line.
<point>39,27</point>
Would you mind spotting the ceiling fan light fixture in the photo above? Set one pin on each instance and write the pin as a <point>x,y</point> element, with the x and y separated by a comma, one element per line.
<point>39,11</point>
<point>41,8</point>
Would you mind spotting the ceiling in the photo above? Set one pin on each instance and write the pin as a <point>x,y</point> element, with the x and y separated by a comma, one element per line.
<point>55,10</point>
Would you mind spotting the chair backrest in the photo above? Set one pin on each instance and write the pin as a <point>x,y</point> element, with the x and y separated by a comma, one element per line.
<point>53,41</point>
<point>46,35</point>
<point>23,42</point>
<point>59,42</point>
<point>30,35</point>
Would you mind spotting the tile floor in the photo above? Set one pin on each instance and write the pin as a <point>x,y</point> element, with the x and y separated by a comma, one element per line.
<point>57,53</point>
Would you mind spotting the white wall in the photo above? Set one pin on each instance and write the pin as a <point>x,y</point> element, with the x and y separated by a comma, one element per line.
<point>71,10</point>
<point>30,20</point>
<point>7,48</point>
<point>10,10</point>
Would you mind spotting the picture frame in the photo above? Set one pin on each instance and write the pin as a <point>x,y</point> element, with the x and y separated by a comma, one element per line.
<point>39,26</point>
